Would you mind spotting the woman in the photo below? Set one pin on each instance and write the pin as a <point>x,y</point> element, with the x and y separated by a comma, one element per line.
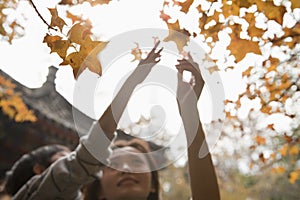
<point>119,179</point>
<point>31,164</point>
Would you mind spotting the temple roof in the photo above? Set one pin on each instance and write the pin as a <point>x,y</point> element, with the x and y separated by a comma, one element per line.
<point>48,103</point>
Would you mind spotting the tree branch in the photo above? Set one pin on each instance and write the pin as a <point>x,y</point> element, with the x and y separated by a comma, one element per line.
<point>41,17</point>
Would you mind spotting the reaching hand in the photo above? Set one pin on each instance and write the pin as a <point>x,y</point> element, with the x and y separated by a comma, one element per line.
<point>194,86</point>
<point>152,58</point>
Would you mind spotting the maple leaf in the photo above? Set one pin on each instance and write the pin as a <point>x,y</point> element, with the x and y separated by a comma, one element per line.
<point>213,69</point>
<point>229,10</point>
<point>260,140</point>
<point>136,52</point>
<point>240,47</point>
<point>57,45</point>
<point>74,18</point>
<point>293,176</point>
<point>179,36</point>
<point>253,31</point>
<point>164,16</point>
<point>79,32</point>
<point>66,2</point>
<point>247,72</point>
<point>185,6</point>
<point>295,4</point>
<point>271,11</point>
<point>56,20</point>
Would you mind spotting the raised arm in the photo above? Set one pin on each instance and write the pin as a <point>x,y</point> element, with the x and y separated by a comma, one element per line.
<point>109,120</point>
<point>203,179</point>
<point>64,178</point>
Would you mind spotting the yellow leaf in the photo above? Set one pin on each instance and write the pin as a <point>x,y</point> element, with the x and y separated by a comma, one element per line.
<point>56,20</point>
<point>185,6</point>
<point>213,69</point>
<point>177,35</point>
<point>271,11</point>
<point>295,4</point>
<point>279,170</point>
<point>294,150</point>
<point>266,109</point>
<point>74,18</point>
<point>293,176</point>
<point>247,72</point>
<point>283,150</point>
<point>230,10</point>
<point>136,52</point>
<point>240,47</point>
<point>164,16</point>
<point>75,60</point>
<point>79,32</point>
<point>260,140</point>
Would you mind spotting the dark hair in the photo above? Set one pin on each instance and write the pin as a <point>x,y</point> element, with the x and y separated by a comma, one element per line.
<point>22,170</point>
<point>92,191</point>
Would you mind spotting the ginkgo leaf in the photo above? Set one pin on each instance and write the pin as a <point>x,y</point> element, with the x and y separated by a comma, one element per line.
<point>177,35</point>
<point>185,6</point>
<point>56,20</point>
<point>240,47</point>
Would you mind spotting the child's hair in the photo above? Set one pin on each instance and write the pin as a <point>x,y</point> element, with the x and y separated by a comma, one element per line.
<point>22,170</point>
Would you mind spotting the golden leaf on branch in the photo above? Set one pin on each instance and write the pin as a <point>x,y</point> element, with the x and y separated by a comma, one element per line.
<point>240,47</point>
<point>136,52</point>
<point>185,6</point>
<point>271,11</point>
<point>56,21</point>
<point>177,35</point>
<point>79,32</point>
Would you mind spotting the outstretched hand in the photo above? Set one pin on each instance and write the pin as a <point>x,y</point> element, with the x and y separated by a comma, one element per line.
<point>152,58</point>
<point>194,86</point>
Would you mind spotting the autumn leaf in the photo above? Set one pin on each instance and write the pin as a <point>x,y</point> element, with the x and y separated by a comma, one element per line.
<point>260,140</point>
<point>253,31</point>
<point>240,47</point>
<point>177,35</point>
<point>213,69</point>
<point>57,45</point>
<point>136,52</point>
<point>283,150</point>
<point>295,4</point>
<point>74,18</point>
<point>79,32</point>
<point>230,10</point>
<point>185,6</point>
<point>279,170</point>
<point>164,16</point>
<point>56,20</point>
<point>247,72</point>
<point>271,11</point>
<point>294,150</point>
<point>293,176</point>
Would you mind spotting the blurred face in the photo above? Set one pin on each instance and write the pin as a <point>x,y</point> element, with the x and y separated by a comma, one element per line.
<point>119,180</point>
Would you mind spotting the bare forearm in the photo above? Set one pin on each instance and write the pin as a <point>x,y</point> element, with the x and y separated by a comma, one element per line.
<point>202,174</point>
<point>111,117</point>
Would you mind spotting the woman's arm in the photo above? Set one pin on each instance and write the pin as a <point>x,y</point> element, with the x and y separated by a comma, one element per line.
<point>203,179</point>
<point>109,120</point>
<point>64,178</point>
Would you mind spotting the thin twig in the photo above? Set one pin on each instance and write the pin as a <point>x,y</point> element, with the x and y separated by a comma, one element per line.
<point>41,17</point>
